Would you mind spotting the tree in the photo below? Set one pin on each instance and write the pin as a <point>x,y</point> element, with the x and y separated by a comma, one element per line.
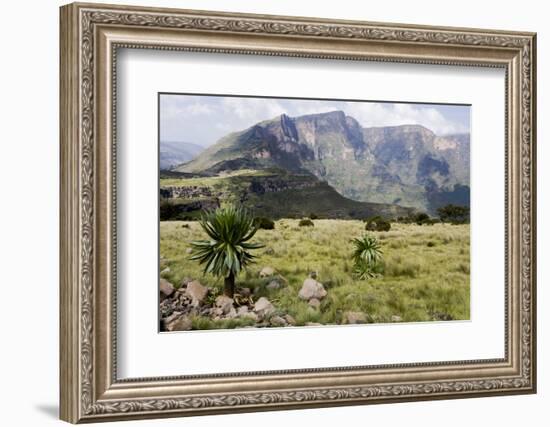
<point>377,223</point>
<point>454,214</point>
<point>421,218</point>
<point>366,255</point>
<point>230,230</point>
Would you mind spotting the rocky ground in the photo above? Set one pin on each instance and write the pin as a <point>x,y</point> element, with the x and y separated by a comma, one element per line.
<point>178,307</point>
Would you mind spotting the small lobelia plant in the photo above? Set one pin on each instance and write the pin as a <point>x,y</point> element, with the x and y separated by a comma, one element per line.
<point>366,256</point>
<point>227,252</point>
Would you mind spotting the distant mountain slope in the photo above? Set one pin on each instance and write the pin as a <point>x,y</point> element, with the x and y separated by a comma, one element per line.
<point>407,165</point>
<point>272,193</point>
<point>175,153</point>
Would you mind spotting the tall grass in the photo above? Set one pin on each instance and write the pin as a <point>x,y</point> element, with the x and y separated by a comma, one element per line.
<point>424,275</point>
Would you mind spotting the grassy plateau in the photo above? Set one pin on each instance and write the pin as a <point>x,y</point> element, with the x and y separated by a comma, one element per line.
<point>424,274</point>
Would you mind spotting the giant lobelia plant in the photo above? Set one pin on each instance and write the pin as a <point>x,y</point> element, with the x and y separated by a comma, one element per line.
<point>227,252</point>
<point>366,256</point>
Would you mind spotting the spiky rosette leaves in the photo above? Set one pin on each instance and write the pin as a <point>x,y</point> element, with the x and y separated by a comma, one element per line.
<point>366,255</point>
<point>230,230</point>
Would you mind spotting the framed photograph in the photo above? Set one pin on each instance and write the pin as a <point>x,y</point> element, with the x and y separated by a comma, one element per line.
<point>266,212</point>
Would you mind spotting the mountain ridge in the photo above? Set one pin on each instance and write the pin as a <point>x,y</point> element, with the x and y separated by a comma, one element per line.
<point>174,153</point>
<point>407,164</point>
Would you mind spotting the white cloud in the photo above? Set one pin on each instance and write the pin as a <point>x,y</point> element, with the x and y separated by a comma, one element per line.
<point>251,110</point>
<point>379,114</point>
<point>205,119</point>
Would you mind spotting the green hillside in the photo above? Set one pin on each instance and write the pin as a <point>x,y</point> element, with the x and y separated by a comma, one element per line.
<point>272,193</point>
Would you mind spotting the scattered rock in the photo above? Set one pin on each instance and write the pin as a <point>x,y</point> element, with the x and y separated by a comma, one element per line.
<point>267,271</point>
<point>179,306</point>
<point>396,319</point>
<point>312,324</point>
<point>314,302</point>
<point>251,315</point>
<point>312,289</point>
<point>182,323</point>
<point>274,284</point>
<point>184,282</point>
<point>166,289</point>
<point>242,310</point>
<point>224,303</point>
<point>189,251</point>
<point>355,317</point>
<point>263,307</point>
<point>197,292</point>
<point>172,317</point>
<point>289,319</point>
<point>232,313</point>
<point>216,312</point>
<point>277,321</point>
<point>244,292</point>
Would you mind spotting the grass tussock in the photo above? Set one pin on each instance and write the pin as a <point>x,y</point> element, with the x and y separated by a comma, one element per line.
<point>424,274</point>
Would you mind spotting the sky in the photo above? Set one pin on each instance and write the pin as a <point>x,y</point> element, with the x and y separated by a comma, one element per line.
<point>203,119</point>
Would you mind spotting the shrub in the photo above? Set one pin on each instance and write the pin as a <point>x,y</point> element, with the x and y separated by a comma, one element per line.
<point>167,211</point>
<point>366,256</point>
<point>306,222</point>
<point>454,214</point>
<point>264,223</point>
<point>377,224</point>
<point>313,216</point>
<point>421,218</point>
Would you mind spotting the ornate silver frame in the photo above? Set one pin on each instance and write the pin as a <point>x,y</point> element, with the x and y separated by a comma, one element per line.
<point>90,36</point>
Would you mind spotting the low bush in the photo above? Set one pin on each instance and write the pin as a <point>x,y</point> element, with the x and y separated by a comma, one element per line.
<point>377,224</point>
<point>454,214</point>
<point>421,218</point>
<point>265,223</point>
<point>306,222</point>
<point>313,216</point>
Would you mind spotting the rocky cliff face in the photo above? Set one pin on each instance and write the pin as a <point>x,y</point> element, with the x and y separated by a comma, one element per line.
<point>406,165</point>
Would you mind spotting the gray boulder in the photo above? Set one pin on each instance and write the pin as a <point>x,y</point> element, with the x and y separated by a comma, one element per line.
<point>267,272</point>
<point>355,317</point>
<point>166,289</point>
<point>263,307</point>
<point>277,321</point>
<point>196,292</point>
<point>312,289</point>
<point>274,284</point>
<point>182,323</point>
<point>242,310</point>
<point>184,282</point>
<point>289,319</point>
<point>224,303</point>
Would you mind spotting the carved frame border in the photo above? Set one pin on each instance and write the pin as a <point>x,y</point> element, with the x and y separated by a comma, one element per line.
<point>85,395</point>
